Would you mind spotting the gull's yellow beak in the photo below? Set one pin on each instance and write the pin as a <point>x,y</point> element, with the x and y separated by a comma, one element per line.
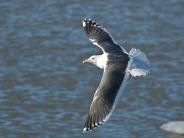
<point>86,61</point>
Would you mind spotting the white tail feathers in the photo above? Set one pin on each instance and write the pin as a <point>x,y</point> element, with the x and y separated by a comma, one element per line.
<point>139,63</point>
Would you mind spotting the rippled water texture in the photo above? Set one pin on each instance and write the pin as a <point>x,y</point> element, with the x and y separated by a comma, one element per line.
<point>45,91</point>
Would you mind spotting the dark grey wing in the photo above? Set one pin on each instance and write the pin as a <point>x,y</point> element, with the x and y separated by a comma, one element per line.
<point>106,96</point>
<point>100,36</point>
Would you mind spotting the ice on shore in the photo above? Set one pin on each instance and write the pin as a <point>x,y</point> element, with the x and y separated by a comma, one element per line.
<point>174,127</point>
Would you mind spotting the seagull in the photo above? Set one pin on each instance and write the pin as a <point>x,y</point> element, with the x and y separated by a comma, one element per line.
<point>117,65</point>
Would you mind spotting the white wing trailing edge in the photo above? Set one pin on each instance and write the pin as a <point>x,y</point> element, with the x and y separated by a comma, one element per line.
<point>139,63</point>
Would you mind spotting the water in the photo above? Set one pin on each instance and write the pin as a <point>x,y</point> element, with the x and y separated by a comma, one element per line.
<point>45,91</point>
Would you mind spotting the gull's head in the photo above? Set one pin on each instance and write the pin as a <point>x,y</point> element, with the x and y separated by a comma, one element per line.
<point>92,59</point>
<point>98,60</point>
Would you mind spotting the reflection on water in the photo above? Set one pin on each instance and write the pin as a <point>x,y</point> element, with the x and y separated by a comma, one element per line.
<point>45,91</point>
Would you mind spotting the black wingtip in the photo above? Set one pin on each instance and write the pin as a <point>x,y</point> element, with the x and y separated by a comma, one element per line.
<point>87,22</point>
<point>92,128</point>
<point>92,122</point>
<point>90,25</point>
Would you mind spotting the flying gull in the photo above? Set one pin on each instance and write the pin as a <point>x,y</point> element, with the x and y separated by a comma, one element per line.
<point>117,65</point>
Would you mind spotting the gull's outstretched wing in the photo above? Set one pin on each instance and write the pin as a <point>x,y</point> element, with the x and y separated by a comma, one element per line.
<point>107,94</point>
<point>100,36</point>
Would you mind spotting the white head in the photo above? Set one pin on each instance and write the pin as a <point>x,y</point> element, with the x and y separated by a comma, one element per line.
<point>98,60</point>
<point>92,59</point>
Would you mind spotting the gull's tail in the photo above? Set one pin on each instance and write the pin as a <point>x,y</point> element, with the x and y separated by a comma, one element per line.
<point>139,63</point>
